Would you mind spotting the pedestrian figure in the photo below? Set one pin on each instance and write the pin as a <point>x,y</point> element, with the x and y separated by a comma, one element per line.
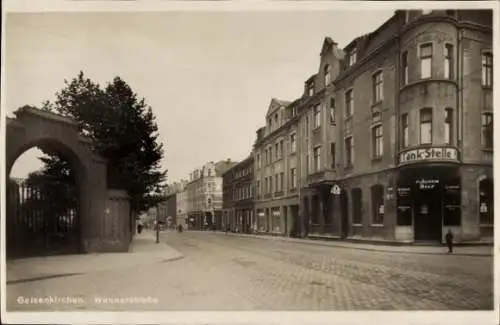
<point>139,227</point>
<point>449,241</point>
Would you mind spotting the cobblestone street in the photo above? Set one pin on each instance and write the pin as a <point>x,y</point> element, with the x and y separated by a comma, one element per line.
<point>220,272</point>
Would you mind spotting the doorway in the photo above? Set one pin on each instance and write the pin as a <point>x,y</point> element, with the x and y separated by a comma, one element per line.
<point>344,215</point>
<point>428,215</point>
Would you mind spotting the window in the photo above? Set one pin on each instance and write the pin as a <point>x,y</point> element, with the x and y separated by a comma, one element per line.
<point>293,143</point>
<point>377,141</point>
<point>448,126</point>
<point>486,200</point>
<point>270,184</point>
<point>307,125</point>
<point>404,68</point>
<point>426,125</point>
<point>332,110</point>
<point>357,204</point>
<point>277,180</point>
<point>310,89</point>
<point>487,130</point>
<point>209,172</point>
<point>317,158</point>
<point>404,131</point>
<point>327,75</point>
<point>448,61</point>
<point>378,209</point>
<point>333,155</point>
<point>276,121</point>
<point>487,69</point>
<point>281,148</point>
<point>258,160</point>
<point>266,185</point>
<point>293,178</point>
<point>282,176</point>
<point>317,116</point>
<point>349,103</point>
<point>452,202</point>
<point>352,58</point>
<point>276,150</point>
<point>378,87</point>
<point>258,189</point>
<point>426,61</point>
<point>349,154</point>
<point>270,154</point>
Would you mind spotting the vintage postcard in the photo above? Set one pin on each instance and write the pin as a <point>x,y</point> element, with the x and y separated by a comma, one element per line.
<point>269,162</point>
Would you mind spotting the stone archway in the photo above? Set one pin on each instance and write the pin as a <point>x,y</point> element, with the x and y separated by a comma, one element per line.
<point>32,127</point>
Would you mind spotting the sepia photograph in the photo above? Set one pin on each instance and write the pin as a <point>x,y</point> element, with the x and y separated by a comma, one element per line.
<point>239,159</point>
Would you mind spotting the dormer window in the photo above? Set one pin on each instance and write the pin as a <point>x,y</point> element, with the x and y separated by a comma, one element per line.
<point>327,75</point>
<point>352,57</point>
<point>310,89</point>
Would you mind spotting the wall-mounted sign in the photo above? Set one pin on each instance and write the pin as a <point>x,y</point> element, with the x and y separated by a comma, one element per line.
<point>483,208</point>
<point>429,154</point>
<point>335,190</point>
<point>427,184</point>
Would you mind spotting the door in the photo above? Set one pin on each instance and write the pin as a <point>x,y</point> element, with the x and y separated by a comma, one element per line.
<point>428,216</point>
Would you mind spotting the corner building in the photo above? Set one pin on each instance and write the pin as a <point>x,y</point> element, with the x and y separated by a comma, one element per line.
<point>414,121</point>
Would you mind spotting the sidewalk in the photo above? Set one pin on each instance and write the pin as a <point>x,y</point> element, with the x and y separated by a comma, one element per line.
<point>143,251</point>
<point>477,250</point>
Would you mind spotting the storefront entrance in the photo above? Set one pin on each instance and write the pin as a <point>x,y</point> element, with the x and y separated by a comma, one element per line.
<point>428,215</point>
<point>428,199</point>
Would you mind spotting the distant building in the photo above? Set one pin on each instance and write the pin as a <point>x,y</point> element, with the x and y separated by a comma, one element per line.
<point>204,195</point>
<point>238,194</point>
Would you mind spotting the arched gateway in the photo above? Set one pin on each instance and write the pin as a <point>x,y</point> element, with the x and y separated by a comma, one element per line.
<point>103,221</point>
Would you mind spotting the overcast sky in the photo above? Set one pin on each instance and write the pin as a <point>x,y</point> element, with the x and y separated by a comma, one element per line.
<point>209,76</point>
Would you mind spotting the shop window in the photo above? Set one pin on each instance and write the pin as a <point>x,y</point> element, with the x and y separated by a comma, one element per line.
<point>487,130</point>
<point>425,60</point>
<point>451,203</point>
<point>357,217</point>
<point>486,200</point>
<point>378,208</point>
<point>404,205</point>
<point>426,125</point>
<point>352,57</point>
<point>315,210</point>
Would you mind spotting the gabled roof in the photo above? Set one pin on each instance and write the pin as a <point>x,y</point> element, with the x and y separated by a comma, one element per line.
<point>327,43</point>
<point>275,104</point>
<point>223,166</point>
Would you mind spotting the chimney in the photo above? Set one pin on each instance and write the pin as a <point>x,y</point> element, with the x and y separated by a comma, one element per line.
<point>228,160</point>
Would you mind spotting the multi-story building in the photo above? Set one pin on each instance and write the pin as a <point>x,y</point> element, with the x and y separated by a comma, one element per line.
<point>182,202</point>
<point>399,126</point>
<point>276,170</point>
<point>238,194</point>
<point>204,195</point>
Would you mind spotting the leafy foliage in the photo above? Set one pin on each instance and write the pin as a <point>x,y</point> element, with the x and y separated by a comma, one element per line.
<point>123,130</point>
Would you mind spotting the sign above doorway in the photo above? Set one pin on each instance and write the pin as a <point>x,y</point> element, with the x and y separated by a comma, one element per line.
<point>429,154</point>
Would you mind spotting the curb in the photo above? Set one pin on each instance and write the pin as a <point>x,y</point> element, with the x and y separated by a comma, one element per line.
<point>330,243</point>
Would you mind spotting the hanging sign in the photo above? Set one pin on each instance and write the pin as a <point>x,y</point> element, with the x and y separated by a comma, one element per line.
<point>335,190</point>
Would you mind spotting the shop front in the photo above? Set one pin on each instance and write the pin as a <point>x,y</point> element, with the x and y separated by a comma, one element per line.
<point>428,201</point>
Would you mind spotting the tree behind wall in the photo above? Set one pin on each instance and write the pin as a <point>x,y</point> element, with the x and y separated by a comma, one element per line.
<point>123,130</point>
